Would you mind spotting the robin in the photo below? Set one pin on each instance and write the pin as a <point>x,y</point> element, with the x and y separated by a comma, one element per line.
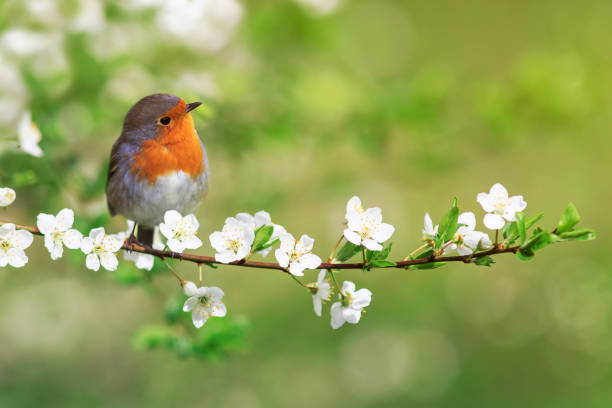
<point>157,164</point>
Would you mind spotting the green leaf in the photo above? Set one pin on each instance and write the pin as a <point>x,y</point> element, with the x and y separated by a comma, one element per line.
<point>378,255</point>
<point>578,235</point>
<point>269,244</point>
<point>569,218</point>
<point>347,251</point>
<point>531,222</point>
<point>429,265</point>
<point>539,241</point>
<point>381,263</point>
<point>524,255</point>
<point>262,236</point>
<point>510,230</point>
<point>484,261</point>
<point>153,336</point>
<point>448,225</point>
<point>520,226</point>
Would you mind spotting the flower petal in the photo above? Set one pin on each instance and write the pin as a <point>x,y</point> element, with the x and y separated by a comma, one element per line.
<point>337,320</point>
<point>352,237</point>
<point>493,221</point>
<point>64,219</point>
<point>348,287</point>
<point>45,223</point>
<point>190,303</point>
<point>351,315</point>
<point>317,304</point>
<point>281,257</point>
<point>321,276</point>
<point>384,232</point>
<point>219,310</point>
<point>192,242</point>
<point>172,218</point>
<point>225,257</point>
<point>21,239</point>
<point>498,190</point>
<point>485,202</point>
<point>296,268</point>
<point>175,245</point>
<point>469,219</point>
<point>109,261</point>
<point>287,242</point>
<point>310,261</point>
<point>72,239</point>
<point>92,262</point>
<point>361,298</point>
<point>190,289</point>
<point>305,244</point>
<point>16,257</point>
<point>372,245</point>
<point>199,316</point>
<point>87,245</point>
<point>97,234</point>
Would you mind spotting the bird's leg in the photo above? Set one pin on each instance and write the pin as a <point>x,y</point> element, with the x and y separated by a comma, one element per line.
<point>131,239</point>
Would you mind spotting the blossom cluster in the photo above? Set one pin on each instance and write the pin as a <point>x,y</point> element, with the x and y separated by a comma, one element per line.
<point>245,235</point>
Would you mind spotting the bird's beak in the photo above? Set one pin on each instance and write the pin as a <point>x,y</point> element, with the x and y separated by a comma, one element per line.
<point>191,106</point>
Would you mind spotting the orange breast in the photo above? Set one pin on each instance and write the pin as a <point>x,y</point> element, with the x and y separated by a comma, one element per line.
<point>176,148</point>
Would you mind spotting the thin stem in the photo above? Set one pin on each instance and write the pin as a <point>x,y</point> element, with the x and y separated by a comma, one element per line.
<point>496,237</point>
<point>298,281</point>
<point>176,275</point>
<point>363,255</point>
<point>331,273</point>
<point>200,270</point>
<point>416,251</point>
<point>333,252</point>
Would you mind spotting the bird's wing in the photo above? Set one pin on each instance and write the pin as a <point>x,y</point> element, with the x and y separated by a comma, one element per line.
<point>113,165</point>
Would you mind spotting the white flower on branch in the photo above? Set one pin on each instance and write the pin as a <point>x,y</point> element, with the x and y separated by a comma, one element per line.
<point>12,245</point>
<point>257,221</point>
<point>429,231</point>
<point>29,135</point>
<point>203,302</point>
<point>233,243</point>
<point>365,227</point>
<point>297,255</point>
<point>466,239</point>
<point>7,196</point>
<point>499,206</point>
<point>350,307</point>
<point>100,249</point>
<point>321,291</point>
<point>142,261</point>
<point>58,232</point>
<point>180,231</point>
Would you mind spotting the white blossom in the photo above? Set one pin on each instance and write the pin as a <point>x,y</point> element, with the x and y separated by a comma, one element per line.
<point>429,231</point>
<point>350,307</point>
<point>180,231</point>
<point>322,7</point>
<point>100,249</point>
<point>203,24</point>
<point>260,219</point>
<point>233,242</point>
<point>58,232</point>
<point>7,196</point>
<point>466,239</point>
<point>203,302</point>
<point>365,227</point>
<point>499,206</point>
<point>296,255</point>
<point>142,260</point>
<point>321,291</point>
<point>12,245</point>
<point>29,135</point>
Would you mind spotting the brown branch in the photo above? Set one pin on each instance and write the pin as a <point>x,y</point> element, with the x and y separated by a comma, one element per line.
<point>200,259</point>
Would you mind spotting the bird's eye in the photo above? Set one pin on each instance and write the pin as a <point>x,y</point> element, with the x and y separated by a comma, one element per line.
<point>165,120</point>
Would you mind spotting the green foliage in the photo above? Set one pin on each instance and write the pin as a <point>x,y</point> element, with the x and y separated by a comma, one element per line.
<point>448,225</point>
<point>347,251</point>
<point>429,265</point>
<point>216,340</point>
<point>262,237</point>
<point>569,219</point>
<point>484,261</point>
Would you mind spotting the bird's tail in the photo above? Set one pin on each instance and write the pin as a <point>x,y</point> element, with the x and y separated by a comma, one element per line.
<point>145,235</point>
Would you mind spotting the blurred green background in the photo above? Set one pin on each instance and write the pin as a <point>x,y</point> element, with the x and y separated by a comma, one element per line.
<point>308,102</point>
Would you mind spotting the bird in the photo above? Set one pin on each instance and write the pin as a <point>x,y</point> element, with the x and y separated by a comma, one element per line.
<point>157,164</point>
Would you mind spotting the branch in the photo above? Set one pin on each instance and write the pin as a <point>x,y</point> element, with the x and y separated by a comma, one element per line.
<point>199,259</point>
